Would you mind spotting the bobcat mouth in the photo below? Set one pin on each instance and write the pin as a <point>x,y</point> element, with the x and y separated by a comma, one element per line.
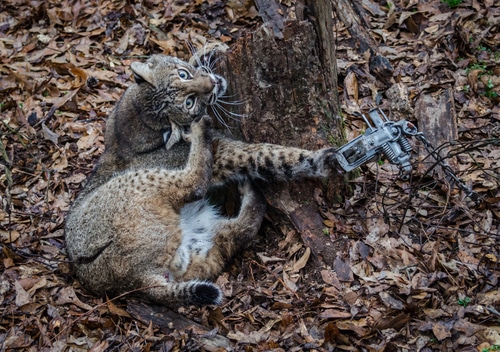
<point>220,86</point>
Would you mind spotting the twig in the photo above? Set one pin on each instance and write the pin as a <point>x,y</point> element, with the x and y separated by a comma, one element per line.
<point>277,278</point>
<point>86,314</point>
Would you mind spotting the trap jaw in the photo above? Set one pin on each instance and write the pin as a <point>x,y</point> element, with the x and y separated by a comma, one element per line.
<point>384,137</point>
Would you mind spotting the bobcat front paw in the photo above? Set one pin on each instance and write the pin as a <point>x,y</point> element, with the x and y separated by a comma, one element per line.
<point>332,162</point>
<point>202,126</point>
<point>203,120</point>
<point>186,134</point>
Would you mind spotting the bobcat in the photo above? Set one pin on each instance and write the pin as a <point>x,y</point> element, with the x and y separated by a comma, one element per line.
<point>143,221</point>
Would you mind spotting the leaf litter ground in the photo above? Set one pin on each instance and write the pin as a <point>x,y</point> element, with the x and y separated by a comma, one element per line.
<point>420,265</point>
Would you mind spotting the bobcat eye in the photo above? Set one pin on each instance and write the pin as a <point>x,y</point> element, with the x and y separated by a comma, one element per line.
<point>183,74</point>
<point>190,101</point>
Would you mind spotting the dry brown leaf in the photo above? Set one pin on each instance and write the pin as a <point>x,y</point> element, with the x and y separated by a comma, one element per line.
<point>359,326</point>
<point>60,161</point>
<point>328,223</point>
<point>351,87</point>
<point>67,295</point>
<point>254,337</point>
<point>330,278</point>
<point>75,178</point>
<point>116,310</point>
<point>100,346</point>
<point>491,334</point>
<point>57,103</point>
<point>390,301</point>
<point>50,135</point>
<point>396,323</point>
<point>8,263</point>
<point>343,270</point>
<point>80,76</point>
<point>440,331</point>
<point>299,264</point>
<point>331,332</point>
<point>468,328</point>
<point>89,140</point>
<point>289,284</point>
<point>39,283</point>
<point>434,313</point>
<point>9,236</point>
<point>334,314</point>
<point>489,298</point>
<point>22,296</point>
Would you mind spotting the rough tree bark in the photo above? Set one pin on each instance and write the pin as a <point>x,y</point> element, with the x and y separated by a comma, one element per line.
<point>286,73</point>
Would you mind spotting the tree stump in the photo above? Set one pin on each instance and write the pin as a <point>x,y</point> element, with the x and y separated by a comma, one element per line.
<point>286,74</point>
<point>437,120</point>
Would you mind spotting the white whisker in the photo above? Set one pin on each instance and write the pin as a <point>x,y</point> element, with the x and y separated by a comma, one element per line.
<point>228,96</point>
<point>191,47</point>
<point>230,114</point>
<point>209,58</point>
<point>220,119</point>
<point>212,62</point>
<point>237,102</point>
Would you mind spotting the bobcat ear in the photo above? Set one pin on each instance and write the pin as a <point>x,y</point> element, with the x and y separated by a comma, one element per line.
<point>174,136</point>
<point>142,71</point>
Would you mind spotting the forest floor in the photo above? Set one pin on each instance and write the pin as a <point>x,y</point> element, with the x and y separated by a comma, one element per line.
<point>421,263</point>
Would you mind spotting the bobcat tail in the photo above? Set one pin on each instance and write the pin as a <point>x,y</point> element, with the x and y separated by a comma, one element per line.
<point>195,292</point>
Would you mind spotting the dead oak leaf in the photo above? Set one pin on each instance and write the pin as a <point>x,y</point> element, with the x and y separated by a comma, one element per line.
<point>60,101</point>
<point>22,296</point>
<point>434,313</point>
<point>335,314</point>
<point>491,334</point>
<point>68,295</point>
<point>76,178</point>
<point>299,264</point>
<point>469,329</point>
<point>50,135</point>
<point>390,301</point>
<point>360,326</point>
<point>89,140</point>
<point>343,270</point>
<point>440,331</point>
<point>489,298</point>
<point>114,309</point>
<point>254,337</point>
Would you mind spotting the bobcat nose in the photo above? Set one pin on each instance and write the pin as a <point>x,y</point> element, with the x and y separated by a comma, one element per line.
<point>206,84</point>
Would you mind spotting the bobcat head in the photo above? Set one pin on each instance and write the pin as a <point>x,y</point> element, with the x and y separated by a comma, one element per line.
<point>174,92</point>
